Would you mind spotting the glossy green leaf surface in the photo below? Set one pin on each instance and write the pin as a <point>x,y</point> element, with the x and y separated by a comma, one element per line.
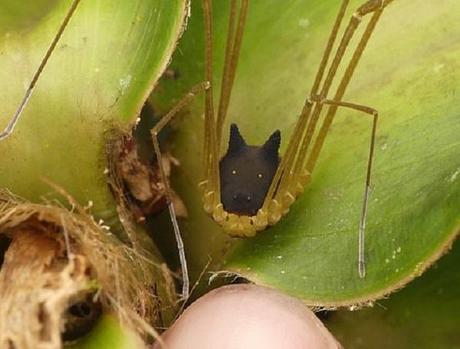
<point>102,70</point>
<point>424,315</point>
<point>409,73</point>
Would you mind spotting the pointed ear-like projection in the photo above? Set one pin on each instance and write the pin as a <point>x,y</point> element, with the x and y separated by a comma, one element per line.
<point>272,145</point>
<point>236,141</point>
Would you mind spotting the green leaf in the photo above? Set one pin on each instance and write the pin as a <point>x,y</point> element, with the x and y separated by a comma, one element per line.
<point>108,334</point>
<point>409,73</point>
<point>424,315</point>
<point>100,74</point>
<point>105,65</point>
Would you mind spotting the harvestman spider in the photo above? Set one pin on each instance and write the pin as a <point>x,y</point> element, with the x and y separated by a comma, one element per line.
<point>246,199</point>
<point>275,182</point>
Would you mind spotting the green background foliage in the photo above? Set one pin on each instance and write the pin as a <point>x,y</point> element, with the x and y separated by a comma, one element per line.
<point>423,315</point>
<point>99,76</point>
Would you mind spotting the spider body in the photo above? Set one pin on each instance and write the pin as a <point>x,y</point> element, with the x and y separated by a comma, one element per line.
<point>238,216</point>
<point>246,173</point>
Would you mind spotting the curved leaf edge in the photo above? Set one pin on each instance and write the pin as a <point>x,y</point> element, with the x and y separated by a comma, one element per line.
<point>155,79</point>
<point>358,302</point>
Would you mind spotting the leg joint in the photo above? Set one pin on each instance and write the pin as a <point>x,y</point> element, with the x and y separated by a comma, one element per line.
<point>359,107</point>
<point>372,6</point>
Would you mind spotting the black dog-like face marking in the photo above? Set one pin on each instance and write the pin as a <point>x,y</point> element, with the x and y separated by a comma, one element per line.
<point>246,172</point>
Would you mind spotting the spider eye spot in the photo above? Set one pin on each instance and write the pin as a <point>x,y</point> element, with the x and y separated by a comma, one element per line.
<point>259,175</point>
<point>234,172</point>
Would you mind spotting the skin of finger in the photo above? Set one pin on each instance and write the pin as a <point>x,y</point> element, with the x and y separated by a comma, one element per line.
<point>247,316</point>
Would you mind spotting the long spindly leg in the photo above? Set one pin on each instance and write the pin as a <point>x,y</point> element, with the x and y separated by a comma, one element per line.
<point>30,89</point>
<point>312,110</point>
<point>295,140</point>
<point>172,212</point>
<point>362,221</point>
<point>210,149</point>
<point>376,8</point>
<point>213,125</point>
<point>232,53</point>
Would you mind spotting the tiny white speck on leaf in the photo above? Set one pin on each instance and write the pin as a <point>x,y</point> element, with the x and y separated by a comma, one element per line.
<point>304,22</point>
<point>454,175</point>
<point>124,83</point>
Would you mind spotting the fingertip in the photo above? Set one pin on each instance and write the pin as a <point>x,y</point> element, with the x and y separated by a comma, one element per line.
<point>248,316</point>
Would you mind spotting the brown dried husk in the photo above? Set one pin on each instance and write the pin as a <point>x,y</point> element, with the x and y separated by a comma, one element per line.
<point>57,254</point>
